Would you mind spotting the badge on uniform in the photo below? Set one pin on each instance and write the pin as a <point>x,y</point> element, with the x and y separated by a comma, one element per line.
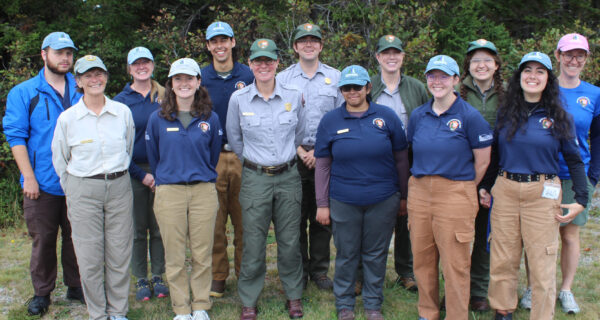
<point>551,190</point>
<point>86,141</point>
<point>172,129</point>
<point>239,85</point>
<point>327,81</point>
<point>379,123</point>
<point>343,131</point>
<point>288,106</point>
<point>454,124</point>
<point>204,126</point>
<point>546,122</point>
<point>247,113</point>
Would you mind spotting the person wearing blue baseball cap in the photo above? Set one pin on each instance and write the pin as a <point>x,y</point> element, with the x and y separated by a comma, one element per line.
<point>361,179</point>
<point>223,76</point>
<point>91,152</point>
<point>143,96</point>
<point>183,142</point>
<point>451,150</point>
<point>531,132</point>
<point>32,108</point>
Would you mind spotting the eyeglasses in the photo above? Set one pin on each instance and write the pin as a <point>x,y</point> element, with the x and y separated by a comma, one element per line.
<point>440,77</point>
<point>484,60</point>
<point>569,57</point>
<point>350,87</point>
<point>260,62</point>
<point>307,40</point>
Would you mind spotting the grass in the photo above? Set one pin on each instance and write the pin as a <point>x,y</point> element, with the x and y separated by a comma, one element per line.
<point>15,289</point>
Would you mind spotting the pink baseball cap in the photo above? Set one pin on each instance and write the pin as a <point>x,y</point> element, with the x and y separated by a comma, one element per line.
<point>573,41</point>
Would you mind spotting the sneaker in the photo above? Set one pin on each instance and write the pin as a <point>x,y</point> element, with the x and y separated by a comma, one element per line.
<point>200,315</point>
<point>75,293</point>
<point>322,281</point>
<point>159,287</point>
<point>117,318</point>
<point>38,305</point>
<point>217,288</point>
<point>409,283</point>
<point>183,317</point>
<point>526,299</point>
<point>143,292</point>
<point>567,300</point>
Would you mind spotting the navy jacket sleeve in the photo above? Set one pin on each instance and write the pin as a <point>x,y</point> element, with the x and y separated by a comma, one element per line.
<point>572,157</point>
<point>215,141</point>
<point>492,171</point>
<point>152,142</point>
<point>594,170</point>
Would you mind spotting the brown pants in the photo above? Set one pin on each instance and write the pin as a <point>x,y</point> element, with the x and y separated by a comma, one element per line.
<point>229,179</point>
<point>43,217</point>
<point>441,218</point>
<point>521,217</point>
<point>187,213</point>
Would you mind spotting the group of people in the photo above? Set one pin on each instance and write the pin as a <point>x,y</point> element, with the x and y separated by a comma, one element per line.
<point>319,153</point>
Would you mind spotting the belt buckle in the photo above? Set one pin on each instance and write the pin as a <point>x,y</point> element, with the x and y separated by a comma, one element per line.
<point>268,170</point>
<point>227,147</point>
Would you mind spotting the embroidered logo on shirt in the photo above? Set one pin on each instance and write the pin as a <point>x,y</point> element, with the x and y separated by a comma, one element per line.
<point>454,124</point>
<point>485,137</point>
<point>546,122</point>
<point>288,106</point>
<point>343,131</point>
<point>379,123</point>
<point>583,101</point>
<point>204,126</point>
<point>239,85</point>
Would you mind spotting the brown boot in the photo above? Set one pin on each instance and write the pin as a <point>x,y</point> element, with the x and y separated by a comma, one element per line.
<point>248,313</point>
<point>294,308</point>
<point>217,289</point>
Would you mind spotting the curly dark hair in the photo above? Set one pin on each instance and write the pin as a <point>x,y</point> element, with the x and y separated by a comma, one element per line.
<point>234,52</point>
<point>498,79</point>
<point>513,113</point>
<point>201,107</point>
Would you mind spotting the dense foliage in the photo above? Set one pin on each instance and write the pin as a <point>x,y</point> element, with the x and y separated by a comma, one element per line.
<point>175,28</point>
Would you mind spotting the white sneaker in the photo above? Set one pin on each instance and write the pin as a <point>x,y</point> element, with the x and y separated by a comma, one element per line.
<point>526,299</point>
<point>183,317</point>
<point>117,318</point>
<point>567,300</point>
<point>200,315</point>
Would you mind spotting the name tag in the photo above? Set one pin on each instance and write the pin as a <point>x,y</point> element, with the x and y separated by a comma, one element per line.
<point>343,131</point>
<point>551,191</point>
<point>173,129</point>
<point>247,113</point>
<point>86,141</point>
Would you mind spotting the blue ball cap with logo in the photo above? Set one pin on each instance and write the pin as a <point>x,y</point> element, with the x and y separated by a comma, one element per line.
<point>219,28</point>
<point>58,40</point>
<point>185,66</point>
<point>443,63</point>
<point>537,57</point>
<point>354,75</point>
<point>138,53</point>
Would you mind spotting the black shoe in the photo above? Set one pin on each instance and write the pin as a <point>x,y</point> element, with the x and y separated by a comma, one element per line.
<point>38,305</point>
<point>500,316</point>
<point>75,293</point>
<point>322,282</point>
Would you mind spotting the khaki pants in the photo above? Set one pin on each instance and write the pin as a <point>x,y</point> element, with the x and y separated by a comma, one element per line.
<point>102,232</point>
<point>229,179</point>
<point>521,217</point>
<point>441,218</point>
<point>186,212</point>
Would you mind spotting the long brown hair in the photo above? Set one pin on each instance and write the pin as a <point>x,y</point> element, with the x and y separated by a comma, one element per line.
<point>201,107</point>
<point>498,80</point>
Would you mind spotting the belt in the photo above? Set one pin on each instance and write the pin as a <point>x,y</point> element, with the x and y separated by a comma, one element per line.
<point>108,176</point>
<point>307,147</point>
<point>520,177</point>
<point>270,170</point>
<point>191,183</point>
<point>226,148</point>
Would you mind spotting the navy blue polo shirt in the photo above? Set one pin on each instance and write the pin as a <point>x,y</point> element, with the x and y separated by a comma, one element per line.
<point>141,108</point>
<point>534,149</point>
<point>220,89</point>
<point>177,154</point>
<point>443,145</point>
<point>363,169</point>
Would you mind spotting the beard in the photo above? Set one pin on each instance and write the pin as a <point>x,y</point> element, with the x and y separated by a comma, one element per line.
<point>55,69</point>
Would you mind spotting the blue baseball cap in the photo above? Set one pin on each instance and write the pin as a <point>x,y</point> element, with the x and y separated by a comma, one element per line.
<point>58,40</point>
<point>138,53</point>
<point>537,57</point>
<point>354,75</point>
<point>443,63</point>
<point>219,28</point>
<point>185,66</point>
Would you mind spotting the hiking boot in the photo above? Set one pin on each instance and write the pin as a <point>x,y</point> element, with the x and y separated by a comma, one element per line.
<point>479,304</point>
<point>526,299</point>
<point>75,293</point>
<point>143,292</point>
<point>322,281</point>
<point>294,308</point>
<point>373,314</point>
<point>409,283</point>
<point>217,288</point>
<point>38,305</point>
<point>248,313</point>
<point>345,314</point>
<point>159,287</point>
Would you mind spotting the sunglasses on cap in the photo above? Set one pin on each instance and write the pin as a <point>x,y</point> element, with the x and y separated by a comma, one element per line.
<point>349,87</point>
